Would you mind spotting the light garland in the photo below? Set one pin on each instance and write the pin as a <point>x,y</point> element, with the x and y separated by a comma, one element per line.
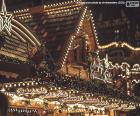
<point>130,47</point>
<point>119,44</point>
<point>63,3</point>
<point>109,45</point>
<point>60,10</point>
<point>94,28</point>
<point>81,21</point>
<point>21,11</point>
<point>19,84</point>
<point>73,37</point>
<point>136,81</point>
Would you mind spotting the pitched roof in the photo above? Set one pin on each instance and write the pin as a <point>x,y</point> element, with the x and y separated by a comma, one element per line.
<point>16,39</point>
<point>55,24</point>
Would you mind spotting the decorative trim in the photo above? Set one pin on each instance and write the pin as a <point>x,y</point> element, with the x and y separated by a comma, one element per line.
<point>73,37</point>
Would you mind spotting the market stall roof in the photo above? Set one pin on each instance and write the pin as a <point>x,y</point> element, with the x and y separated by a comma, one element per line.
<point>16,40</point>
<point>57,25</point>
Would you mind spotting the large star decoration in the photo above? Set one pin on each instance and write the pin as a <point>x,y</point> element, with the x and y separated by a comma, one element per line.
<point>5,20</point>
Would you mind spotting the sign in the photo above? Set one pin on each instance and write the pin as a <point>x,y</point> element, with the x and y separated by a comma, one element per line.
<point>91,101</point>
<point>72,99</point>
<point>40,90</point>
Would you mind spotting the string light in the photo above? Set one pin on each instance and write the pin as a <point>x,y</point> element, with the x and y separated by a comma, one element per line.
<point>73,37</point>
<point>61,9</point>
<point>94,28</point>
<point>116,44</point>
<point>130,47</point>
<point>62,3</point>
<point>109,45</point>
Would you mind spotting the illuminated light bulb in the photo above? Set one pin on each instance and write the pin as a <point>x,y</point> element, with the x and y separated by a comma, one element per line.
<point>32,83</point>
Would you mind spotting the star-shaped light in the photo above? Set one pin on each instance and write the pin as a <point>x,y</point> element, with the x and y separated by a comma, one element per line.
<point>5,19</point>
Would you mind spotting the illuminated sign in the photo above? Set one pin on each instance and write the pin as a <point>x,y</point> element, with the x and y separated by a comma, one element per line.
<point>91,101</point>
<point>72,99</point>
<point>40,90</point>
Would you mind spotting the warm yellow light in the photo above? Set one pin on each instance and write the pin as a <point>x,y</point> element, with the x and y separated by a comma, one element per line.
<point>31,35</point>
<point>108,45</point>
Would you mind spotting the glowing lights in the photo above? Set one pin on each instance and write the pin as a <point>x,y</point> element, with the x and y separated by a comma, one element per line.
<point>9,53</point>
<point>136,81</point>
<point>94,28</point>
<point>16,84</point>
<point>82,19</point>
<point>5,19</point>
<point>22,110</point>
<point>74,36</point>
<point>23,34</point>
<point>11,26</point>
<point>61,9</point>
<point>130,47</point>
<point>29,33</point>
<point>63,3</point>
<point>18,35</point>
<point>32,91</point>
<point>109,45</point>
<point>22,11</point>
<point>119,44</point>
